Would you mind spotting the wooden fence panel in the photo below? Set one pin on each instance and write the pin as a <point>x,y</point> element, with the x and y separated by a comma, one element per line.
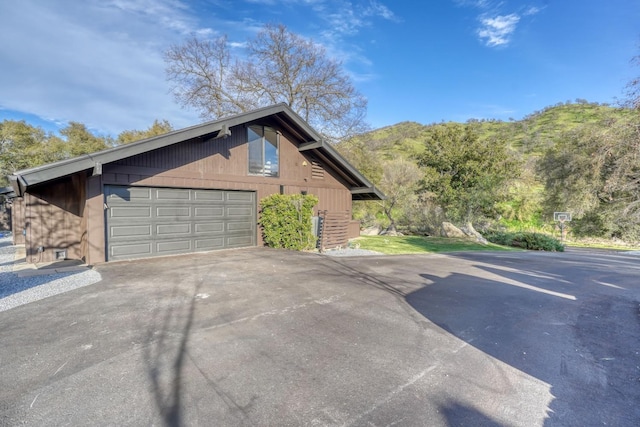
<point>334,229</point>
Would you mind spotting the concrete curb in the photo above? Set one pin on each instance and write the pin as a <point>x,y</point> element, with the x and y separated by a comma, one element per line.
<point>23,269</point>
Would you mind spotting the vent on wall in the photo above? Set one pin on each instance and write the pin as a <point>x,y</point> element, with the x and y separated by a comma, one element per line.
<point>317,171</point>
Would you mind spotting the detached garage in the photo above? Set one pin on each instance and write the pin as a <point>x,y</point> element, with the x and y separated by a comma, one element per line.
<point>195,189</point>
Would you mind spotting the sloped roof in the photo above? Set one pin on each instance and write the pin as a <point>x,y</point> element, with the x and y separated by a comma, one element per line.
<point>361,188</point>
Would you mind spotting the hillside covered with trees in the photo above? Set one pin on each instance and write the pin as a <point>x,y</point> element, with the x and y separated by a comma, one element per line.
<point>578,157</point>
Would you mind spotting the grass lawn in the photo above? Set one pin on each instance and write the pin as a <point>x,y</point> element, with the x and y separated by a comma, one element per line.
<point>420,245</point>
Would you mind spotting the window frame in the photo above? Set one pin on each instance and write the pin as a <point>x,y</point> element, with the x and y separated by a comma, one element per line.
<point>263,141</point>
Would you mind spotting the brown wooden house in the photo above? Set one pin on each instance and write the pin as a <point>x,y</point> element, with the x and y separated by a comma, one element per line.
<point>195,189</point>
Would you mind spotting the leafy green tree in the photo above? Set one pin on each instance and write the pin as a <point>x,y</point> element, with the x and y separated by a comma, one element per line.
<point>464,174</point>
<point>365,155</point>
<point>79,140</point>
<point>399,183</point>
<point>572,170</point>
<point>594,172</point>
<point>633,88</point>
<point>24,146</point>
<point>156,129</point>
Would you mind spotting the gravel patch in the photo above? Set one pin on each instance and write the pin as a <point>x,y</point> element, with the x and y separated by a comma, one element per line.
<point>16,291</point>
<point>351,252</point>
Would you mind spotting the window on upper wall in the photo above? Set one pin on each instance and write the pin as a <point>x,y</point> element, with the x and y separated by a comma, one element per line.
<point>264,144</point>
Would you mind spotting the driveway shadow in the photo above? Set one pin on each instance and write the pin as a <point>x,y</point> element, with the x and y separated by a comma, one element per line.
<point>459,414</point>
<point>564,323</point>
<point>170,365</point>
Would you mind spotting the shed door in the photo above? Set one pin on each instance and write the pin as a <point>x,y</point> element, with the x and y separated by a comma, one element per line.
<point>146,221</point>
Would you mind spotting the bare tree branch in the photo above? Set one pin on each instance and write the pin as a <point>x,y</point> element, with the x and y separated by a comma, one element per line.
<point>280,67</point>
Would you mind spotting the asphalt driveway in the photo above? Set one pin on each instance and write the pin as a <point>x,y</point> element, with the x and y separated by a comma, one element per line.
<point>266,337</point>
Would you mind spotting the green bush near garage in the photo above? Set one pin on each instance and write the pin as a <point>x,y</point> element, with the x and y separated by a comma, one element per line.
<point>524,240</point>
<point>286,221</point>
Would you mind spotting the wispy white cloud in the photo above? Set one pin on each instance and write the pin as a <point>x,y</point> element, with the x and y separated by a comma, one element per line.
<point>99,63</point>
<point>237,45</point>
<point>482,4</point>
<point>171,14</point>
<point>497,23</point>
<point>497,31</point>
<point>378,9</point>
<point>532,10</point>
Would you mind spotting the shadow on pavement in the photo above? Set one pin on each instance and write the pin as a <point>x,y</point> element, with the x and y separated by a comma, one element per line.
<point>167,358</point>
<point>165,354</point>
<point>564,323</point>
<point>458,414</point>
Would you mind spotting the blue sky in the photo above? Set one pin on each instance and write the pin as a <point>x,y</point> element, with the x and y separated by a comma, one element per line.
<point>100,62</point>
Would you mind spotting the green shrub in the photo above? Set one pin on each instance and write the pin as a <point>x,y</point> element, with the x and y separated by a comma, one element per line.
<point>286,221</point>
<point>590,225</point>
<point>530,241</point>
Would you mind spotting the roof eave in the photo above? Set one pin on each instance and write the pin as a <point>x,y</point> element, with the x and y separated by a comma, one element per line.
<point>367,193</point>
<point>21,180</point>
<point>362,188</point>
<point>44,173</point>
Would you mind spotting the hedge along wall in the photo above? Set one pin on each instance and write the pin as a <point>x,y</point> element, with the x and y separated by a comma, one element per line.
<point>286,221</point>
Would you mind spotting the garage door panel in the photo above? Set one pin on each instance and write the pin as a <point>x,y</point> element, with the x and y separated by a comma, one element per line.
<point>210,244</point>
<point>239,241</point>
<point>235,211</point>
<point>171,211</point>
<point>130,212</point>
<point>208,195</point>
<point>142,230</point>
<point>115,194</point>
<point>239,196</point>
<point>210,227</point>
<point>174,246</point>
<point>173,229</point>
<point>209,212</point>
<point>145,221</point>
<point>132,250</point>
<point>239,226</point>
<point>173,195</point>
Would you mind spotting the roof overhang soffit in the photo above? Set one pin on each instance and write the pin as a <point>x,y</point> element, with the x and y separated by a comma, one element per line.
<point>361,188</point>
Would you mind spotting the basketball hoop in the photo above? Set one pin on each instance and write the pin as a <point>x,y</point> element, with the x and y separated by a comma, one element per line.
<point>562,217</point>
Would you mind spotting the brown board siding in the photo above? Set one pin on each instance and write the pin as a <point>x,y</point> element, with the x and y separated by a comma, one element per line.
<point>223,159</point>
<point>354,229</point>
<point>17,220</point>
<point>53,219</point>
<point>94,222</point>
<point>202,156</point>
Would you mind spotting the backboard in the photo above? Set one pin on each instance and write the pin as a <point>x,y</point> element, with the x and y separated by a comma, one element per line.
<point>562,216</point>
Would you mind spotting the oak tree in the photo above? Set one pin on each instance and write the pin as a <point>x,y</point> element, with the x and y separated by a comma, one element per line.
<point>277,66</point>
<point>465,175</point>
<point>156,129</point>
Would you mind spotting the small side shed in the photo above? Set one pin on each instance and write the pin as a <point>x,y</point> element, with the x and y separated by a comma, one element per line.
<point>194,189</point>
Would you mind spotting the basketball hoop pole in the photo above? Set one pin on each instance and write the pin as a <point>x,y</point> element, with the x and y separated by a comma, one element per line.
<point>561,217</point>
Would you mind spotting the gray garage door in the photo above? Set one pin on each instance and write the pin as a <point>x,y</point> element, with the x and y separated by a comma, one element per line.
<point>145,222</point>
